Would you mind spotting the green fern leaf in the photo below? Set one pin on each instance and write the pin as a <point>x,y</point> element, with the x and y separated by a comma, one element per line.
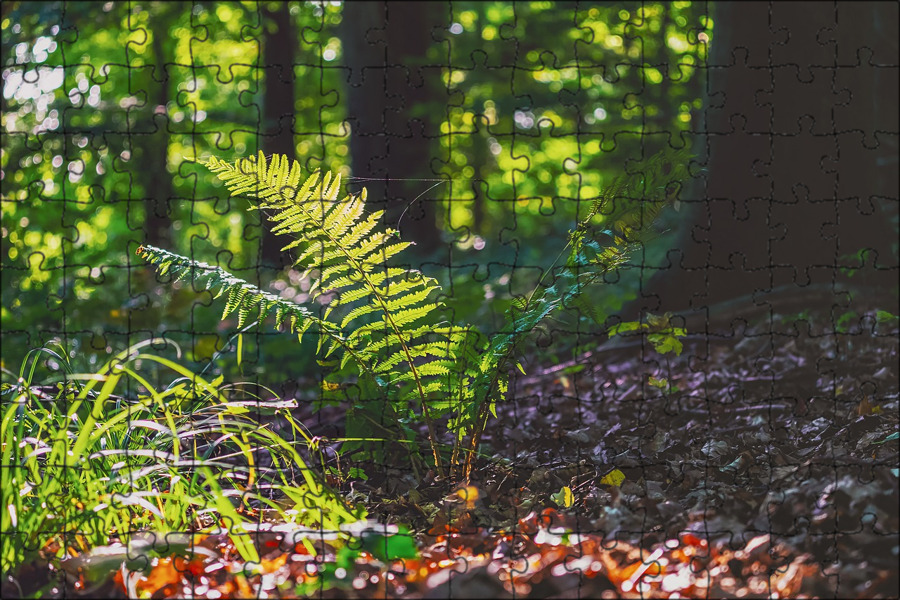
<point>243,296</point>
<point>343,254</point>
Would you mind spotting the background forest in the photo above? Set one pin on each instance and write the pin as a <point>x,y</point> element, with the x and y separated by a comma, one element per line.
<point>501,121</point>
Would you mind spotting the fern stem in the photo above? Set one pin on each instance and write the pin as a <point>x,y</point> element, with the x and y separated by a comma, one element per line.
<point>483,410</point>
<point>429,422</point>
<point>454,458</point>
<point>480,425</point>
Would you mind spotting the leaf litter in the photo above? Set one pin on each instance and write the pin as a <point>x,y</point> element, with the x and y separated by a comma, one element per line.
<point>768,470</point>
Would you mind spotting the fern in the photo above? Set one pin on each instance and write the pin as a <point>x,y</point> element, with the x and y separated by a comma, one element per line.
<point>388,327</point>
<point>626,210</point>
<point>385,320</point>
<point>242,297</point>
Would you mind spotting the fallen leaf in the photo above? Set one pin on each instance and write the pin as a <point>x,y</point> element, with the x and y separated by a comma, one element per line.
<point>864,408</point>
<point>613,478</point>
<point>563,497</point>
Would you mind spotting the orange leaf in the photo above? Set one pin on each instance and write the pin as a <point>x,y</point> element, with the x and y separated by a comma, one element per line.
<point>865,407</point>
<point>270,566</point>
<point>692,540</point>
<point>469,494</point>
<point>163,573</point>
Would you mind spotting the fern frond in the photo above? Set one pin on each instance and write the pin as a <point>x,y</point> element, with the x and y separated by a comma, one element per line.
<point>244,297</point>
<point>627,209</point>
<point>342,252</point>
<point>385,319</point>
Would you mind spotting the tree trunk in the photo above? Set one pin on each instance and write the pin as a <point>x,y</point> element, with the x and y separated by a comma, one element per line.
<point>390,104</point>
<point>279,53</point>
<point>802,157</point>
<point>157,181</point>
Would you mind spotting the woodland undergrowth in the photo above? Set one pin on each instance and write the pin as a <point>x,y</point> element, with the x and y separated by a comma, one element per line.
<point>380,326</point>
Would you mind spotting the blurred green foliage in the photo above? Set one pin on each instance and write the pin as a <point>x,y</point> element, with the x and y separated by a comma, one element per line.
<point>544,104</point>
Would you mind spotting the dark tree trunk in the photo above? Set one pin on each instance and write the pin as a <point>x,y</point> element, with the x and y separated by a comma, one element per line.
<point>157,181</point>
<point>279,53</point>
<point>480,161</point>
<point>390,104</point>
<point>802,156</point>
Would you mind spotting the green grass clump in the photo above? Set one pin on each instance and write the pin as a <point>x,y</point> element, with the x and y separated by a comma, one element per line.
<point>90,458</point>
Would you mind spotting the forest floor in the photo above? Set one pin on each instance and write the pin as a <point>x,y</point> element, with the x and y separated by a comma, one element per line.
<point>771,471</point>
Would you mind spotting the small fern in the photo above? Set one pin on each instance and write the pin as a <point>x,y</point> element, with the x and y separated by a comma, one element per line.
<point>345,256</point>
<point>385,320</point>
<point>625,211</point>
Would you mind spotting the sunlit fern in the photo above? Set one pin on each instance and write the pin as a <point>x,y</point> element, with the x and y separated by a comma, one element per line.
<point>384,319</point>
<point>243,297</point>
<point>388,321</point>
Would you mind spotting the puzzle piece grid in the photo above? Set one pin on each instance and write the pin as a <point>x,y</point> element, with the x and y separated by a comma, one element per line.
<point>792,180</point>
